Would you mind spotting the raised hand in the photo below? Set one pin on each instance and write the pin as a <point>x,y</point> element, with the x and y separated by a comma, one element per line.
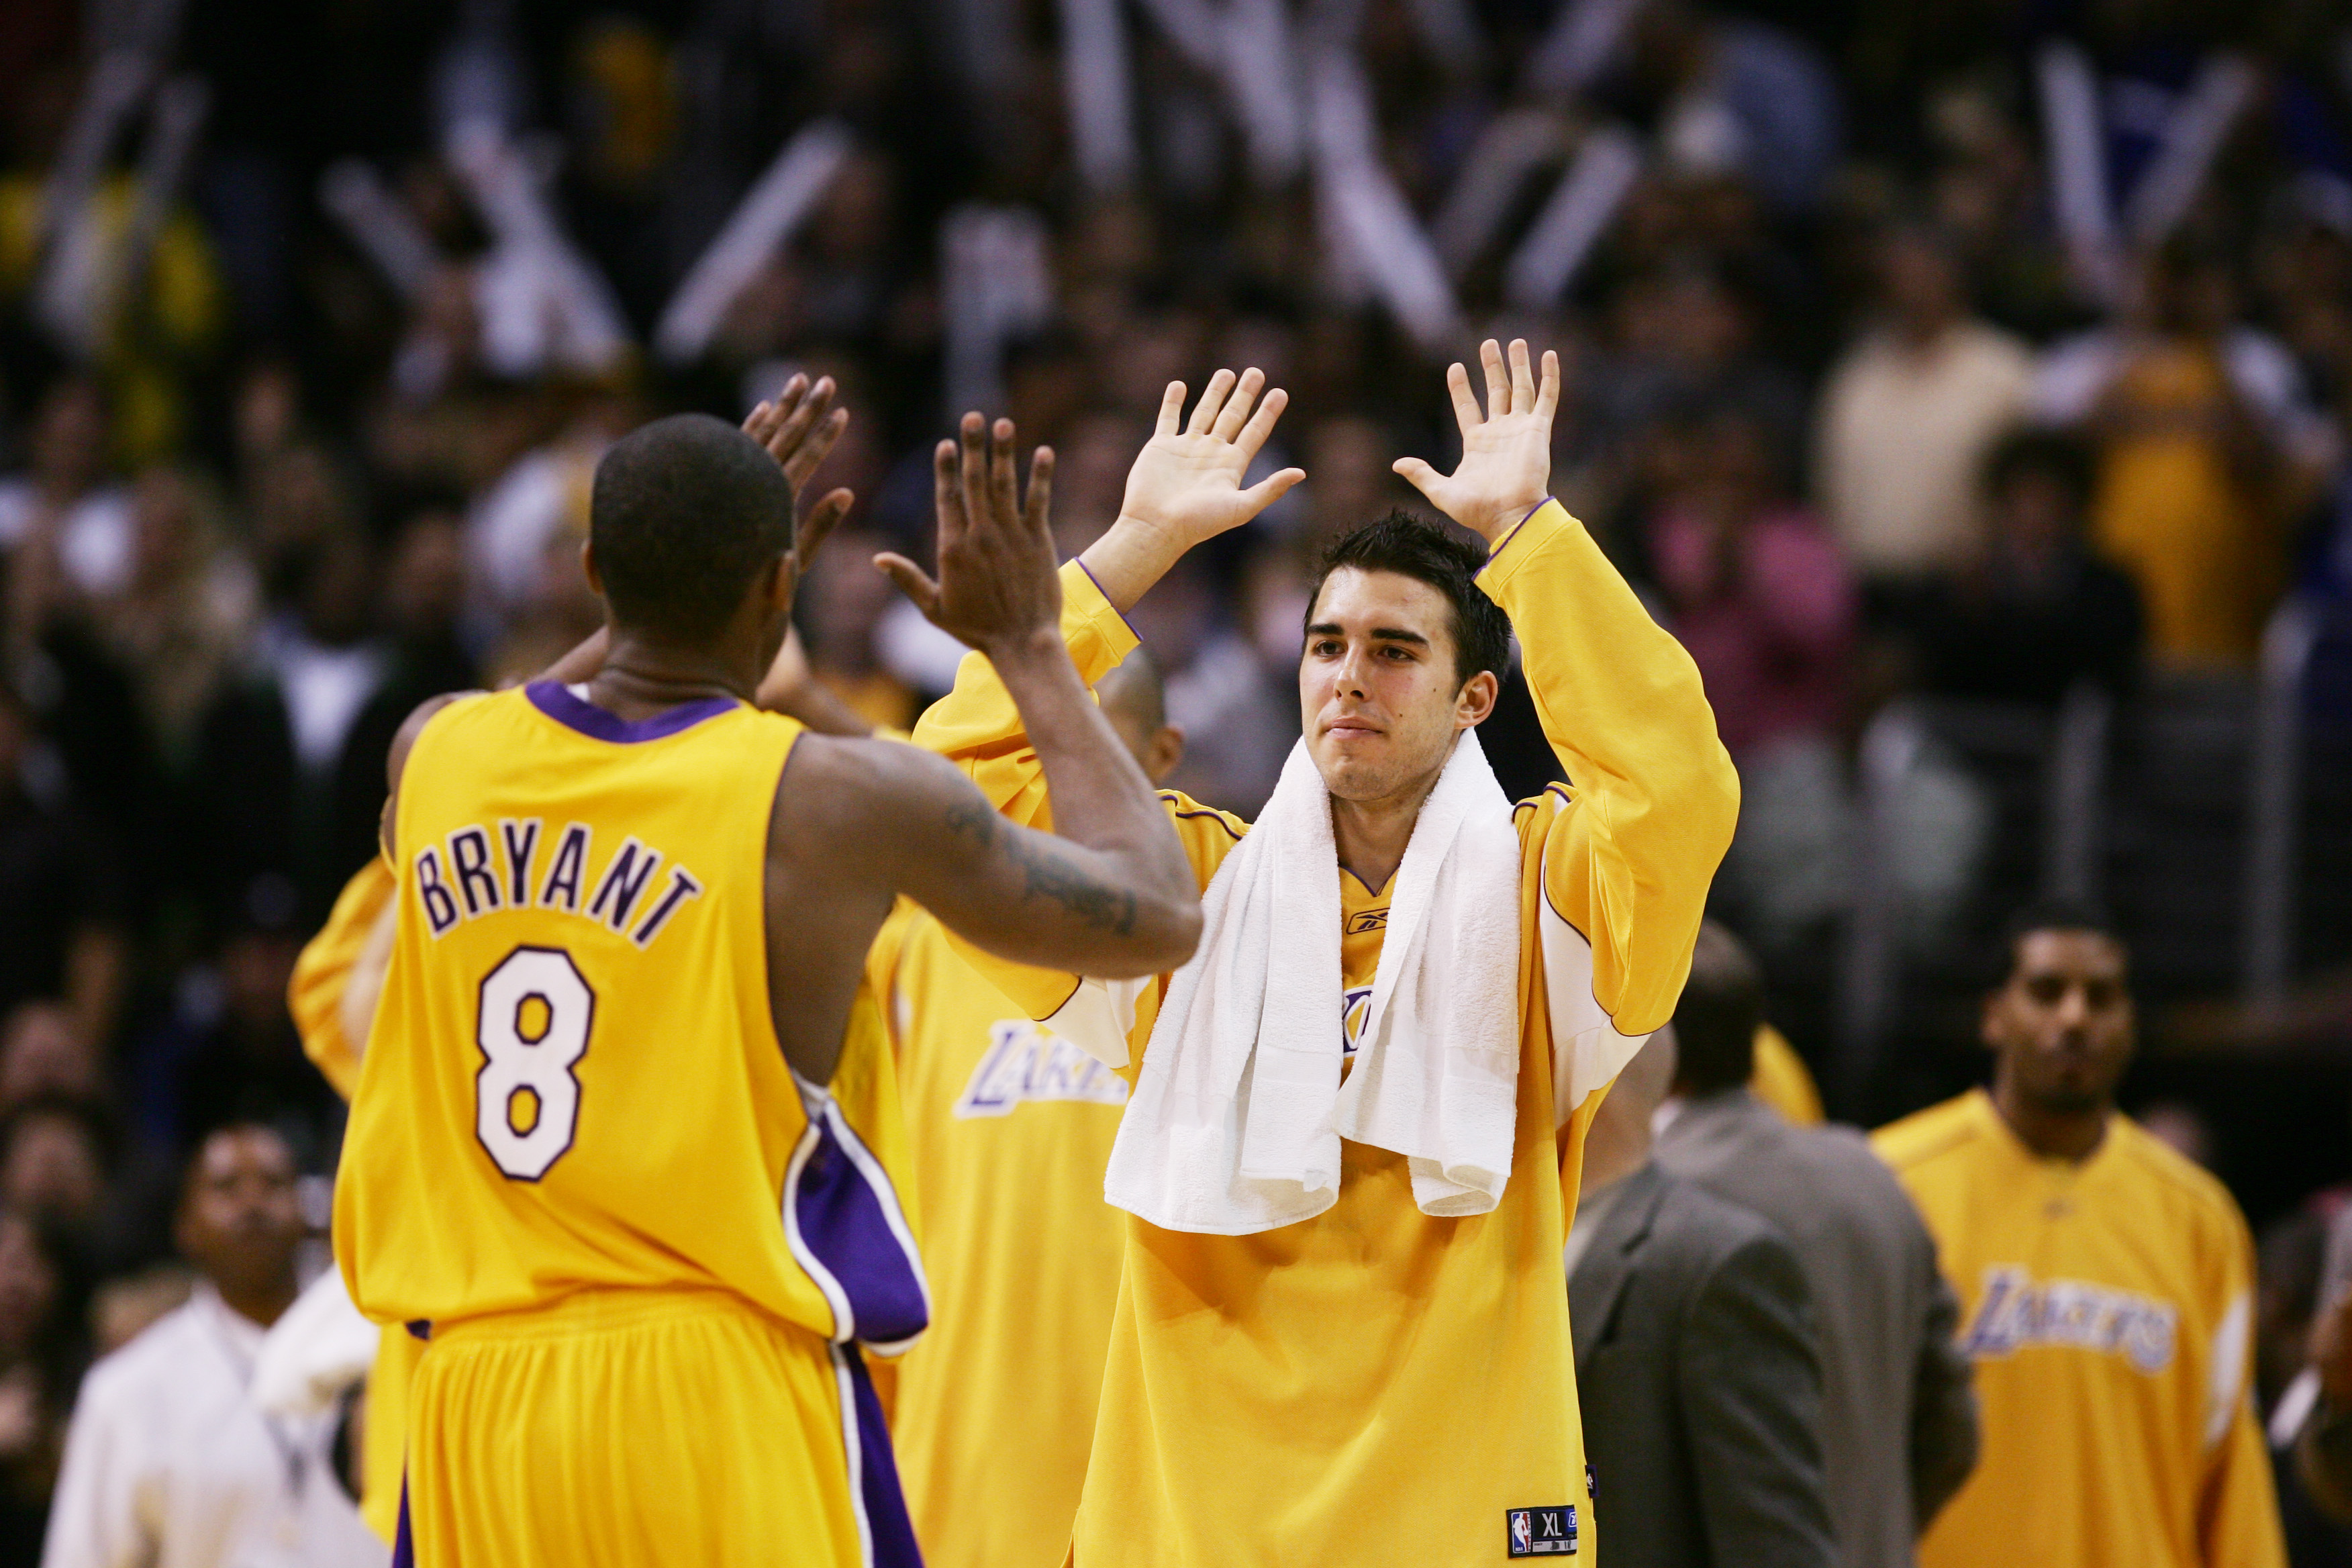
<point>1505,468</point>
<point>996,587</point>
<point>798,428</point>
<point>1187,482</point>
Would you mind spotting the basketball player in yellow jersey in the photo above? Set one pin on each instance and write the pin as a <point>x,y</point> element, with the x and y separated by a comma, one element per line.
<point>596,1151</point>
<point>1378,1384</point>
<point>2106,1287</point>
<point>1010,1129</point>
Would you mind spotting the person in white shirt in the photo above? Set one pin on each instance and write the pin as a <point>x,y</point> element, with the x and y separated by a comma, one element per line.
<point>1910,412</point>
<point>170,1462</point>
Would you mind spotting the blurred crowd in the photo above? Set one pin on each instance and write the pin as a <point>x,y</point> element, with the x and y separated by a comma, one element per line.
<point>1995,352</point>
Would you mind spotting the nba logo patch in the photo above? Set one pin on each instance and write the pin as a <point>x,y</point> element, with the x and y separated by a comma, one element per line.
<point>1542,1531</point>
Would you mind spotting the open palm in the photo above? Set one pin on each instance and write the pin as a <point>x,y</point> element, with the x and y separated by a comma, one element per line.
<point>1187,482</point>
<point>1505,468</point>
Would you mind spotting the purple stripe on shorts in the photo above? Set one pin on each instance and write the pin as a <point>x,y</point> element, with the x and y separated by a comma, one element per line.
<point>554,700</point>
<point>886,1505</point>
<point>842,1221</point>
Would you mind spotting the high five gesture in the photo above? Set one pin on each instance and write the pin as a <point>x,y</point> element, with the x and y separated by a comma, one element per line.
<point>1186,484</point>
<point>996,583</point>
<point>1505,468</point>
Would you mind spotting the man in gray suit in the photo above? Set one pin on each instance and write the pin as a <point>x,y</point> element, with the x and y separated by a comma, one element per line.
<point>1899,1421</point>
<point>1695,1362</point>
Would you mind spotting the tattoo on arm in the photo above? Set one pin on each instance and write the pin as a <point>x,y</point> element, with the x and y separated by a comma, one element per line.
<point>1105,908</point>
<point>975,820</point>
<point>1048,873</point>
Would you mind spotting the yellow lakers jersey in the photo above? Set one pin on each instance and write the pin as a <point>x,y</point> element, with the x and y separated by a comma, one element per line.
<point>2106,1307</point>
<point>573,1079</point>
<point>1377,1384</point>
<point>1012,1128</point>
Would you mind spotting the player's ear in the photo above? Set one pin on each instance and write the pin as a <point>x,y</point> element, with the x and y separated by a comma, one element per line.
<point>1165,751</point>
<point>1476,699</point>
<point>588,567</point>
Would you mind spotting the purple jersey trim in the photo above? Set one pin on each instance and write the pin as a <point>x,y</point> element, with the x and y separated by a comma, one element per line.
<point>841,1220</point>
<point>556,701</point>
<point>1503,544</point>
<point>887,1523</point>
<point>1114,608</point>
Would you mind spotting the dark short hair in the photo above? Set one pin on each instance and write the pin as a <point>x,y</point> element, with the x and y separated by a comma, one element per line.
<point>2050,454</point>
<point>685,513</point>
<point>1428,553</point>
<point>1716,1021</point>
<point>2054,912</point>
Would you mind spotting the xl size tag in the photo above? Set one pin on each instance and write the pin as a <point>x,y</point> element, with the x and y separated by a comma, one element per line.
<point>1542,1531</point>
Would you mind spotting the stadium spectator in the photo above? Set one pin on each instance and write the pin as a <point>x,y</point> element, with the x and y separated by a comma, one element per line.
<point>1898,1421</point>
<point>65,501</point>
<point>43,1348</point>
<point>42,1052</point>
<point>168,1460</point>
<point>2106,1286</point>
<point>2207,450</point>
<point>184,608</point>
<point>1906,418</point>
<point>234,1053</point>
<point>63,910</point>
<point>1697,1358</point>
<point>2032,611</point>
<point>1759,596</point>
<point>56,1161</point>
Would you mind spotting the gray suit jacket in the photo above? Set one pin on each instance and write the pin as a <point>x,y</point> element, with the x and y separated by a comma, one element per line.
<point>1698,1371</point>
<point>1899,1419</point>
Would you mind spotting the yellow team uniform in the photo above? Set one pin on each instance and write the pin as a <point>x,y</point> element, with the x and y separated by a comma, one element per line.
<point>1011,1128</point>
<point>1781,1081</point>
<point>320,998</point>
<point>1374,1386</point>
<point>644,1251</point>
<point>2107,1308</point>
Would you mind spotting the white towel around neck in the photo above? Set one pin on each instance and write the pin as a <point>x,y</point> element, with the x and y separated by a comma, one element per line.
<point>1238,1112</point>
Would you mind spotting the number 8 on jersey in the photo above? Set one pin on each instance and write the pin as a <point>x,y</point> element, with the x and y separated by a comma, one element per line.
<point>536,1012</point>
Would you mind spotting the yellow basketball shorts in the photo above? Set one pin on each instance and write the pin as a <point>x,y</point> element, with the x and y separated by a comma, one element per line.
<point>630,1428</point>
<point>383,1437</point>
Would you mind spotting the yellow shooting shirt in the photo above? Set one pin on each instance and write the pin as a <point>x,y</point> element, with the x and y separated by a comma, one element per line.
<point>315,996</point>
<point>574,1080</point>
<point>2107,1306</point>
<point>318,997</point>
<point>1011,1128</point>
<point>1374,1386</point>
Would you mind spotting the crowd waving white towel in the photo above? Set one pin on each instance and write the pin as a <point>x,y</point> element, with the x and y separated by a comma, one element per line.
<point>1239,1110</point>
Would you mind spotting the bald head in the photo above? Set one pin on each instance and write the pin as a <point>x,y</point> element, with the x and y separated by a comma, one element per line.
<point>687,513</point>
<point>1134,700</point>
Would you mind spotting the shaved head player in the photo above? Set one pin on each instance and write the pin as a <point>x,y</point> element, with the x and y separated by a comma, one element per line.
<point>597,1152</point>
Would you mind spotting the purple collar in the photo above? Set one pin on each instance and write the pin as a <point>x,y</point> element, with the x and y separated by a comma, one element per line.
<point>557,702</point>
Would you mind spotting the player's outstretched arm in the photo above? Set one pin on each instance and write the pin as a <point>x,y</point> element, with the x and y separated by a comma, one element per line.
<point>1109,892</point>
<point>1628,859</point>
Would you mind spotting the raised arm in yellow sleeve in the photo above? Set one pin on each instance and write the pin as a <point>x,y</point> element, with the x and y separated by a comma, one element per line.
<point>333,992</point>
<point>1631,843</point>
<point>976,727</point>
